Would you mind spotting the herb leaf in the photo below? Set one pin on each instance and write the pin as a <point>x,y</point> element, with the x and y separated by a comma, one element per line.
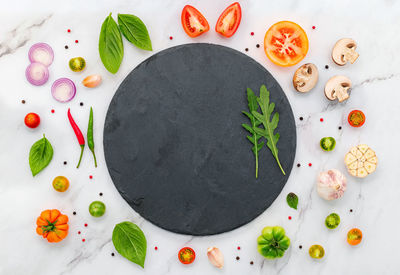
<point>269,125</point>
<point>135,31</point>
<point>40,155</point>
<point>130,242</point>
<point>292,200</point>
<point>254,138</point>
<point>111,48</point>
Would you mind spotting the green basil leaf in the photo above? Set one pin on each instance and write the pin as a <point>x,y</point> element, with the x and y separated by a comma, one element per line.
<point>135,31</point>
<point>130,242</point>
<point>292,200</point>
<point>111,48</point>
<point>40,155</point>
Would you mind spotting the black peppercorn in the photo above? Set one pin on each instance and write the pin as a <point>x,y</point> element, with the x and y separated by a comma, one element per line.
<point>66,47</point>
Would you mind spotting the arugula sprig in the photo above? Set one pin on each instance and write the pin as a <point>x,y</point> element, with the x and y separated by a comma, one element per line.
<point>254,137</point>
<point>269,124</point>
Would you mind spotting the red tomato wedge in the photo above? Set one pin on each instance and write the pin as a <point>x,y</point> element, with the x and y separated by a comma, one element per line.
<point>285,43</point>
<point>193,22</point>
<point>229,20</point>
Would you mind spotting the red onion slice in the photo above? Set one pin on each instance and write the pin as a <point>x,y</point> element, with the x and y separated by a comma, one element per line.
<point>37,74</point>
<point>41,53</point>
<point>63,90</point>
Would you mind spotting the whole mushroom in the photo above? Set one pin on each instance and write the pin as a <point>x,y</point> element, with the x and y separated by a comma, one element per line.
<point>305,78</point>
<point>331,184</point>
<point>338,87</point>
<point>344,51</point>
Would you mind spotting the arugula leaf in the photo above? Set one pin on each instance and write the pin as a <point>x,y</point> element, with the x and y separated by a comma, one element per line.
<point>254,138</point>
<point>40,155</point>
<point>111,48</point>
<point>130,242</point>
<point>269,125</point>
<point>135,31</point>
<point>292,200</point>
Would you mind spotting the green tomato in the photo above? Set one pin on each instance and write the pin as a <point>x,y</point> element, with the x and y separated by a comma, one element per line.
<point>332,221</point>
<point>97,209</point>
<point>273,242</point>
<point>77,64</point>
<point>327,143</point>
<point>316,251</point>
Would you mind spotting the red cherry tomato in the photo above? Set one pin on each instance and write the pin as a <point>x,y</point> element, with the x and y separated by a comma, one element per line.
<point>193,22</point>
<point>32,120</point>
<point>356,118</point>
<point>186,255</point>
<point>229,20</point>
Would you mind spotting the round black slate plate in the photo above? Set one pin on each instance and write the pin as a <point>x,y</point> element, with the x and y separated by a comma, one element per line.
<point>175,147</point>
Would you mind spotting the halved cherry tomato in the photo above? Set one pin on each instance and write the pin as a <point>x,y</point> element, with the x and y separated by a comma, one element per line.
<point>285,43</point>
<point>354,236</point>
<point>186,255</point>
<point>229,20</point>
<point>356,118</point>
<point>193,22</point>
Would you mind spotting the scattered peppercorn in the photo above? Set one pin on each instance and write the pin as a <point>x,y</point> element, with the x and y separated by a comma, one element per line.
<point>81,103</point>
<point>65,163</point>
<point>310,164</point>
<point>83,240</point>
<point>85,224</point>
<point>313,27</point>
<point>76,41</point>
<point>170,38</point>
<point>79,232</point>
<point>74,213</point>
<point>23,101</point>
<point>112,254</point>
<point>289,217</point>
<point>326,67</point>
<point>68,30</point>
<point>247,49</point>
<point>300,246</point>
<point>238,248</point>
<point>252,33</point>
<point>90,177</point>
<point>156,248</point>
<point>340,127</point>
<point>258,45</point>
<point>321,119</point>
<point>251,262</point>
<point>52,111</point>
<point>301,118</point>
<point>351,210</point>
<point>237,258</point>
<point>101,194</point>
<point>298,165</point>
<point>66,47</point>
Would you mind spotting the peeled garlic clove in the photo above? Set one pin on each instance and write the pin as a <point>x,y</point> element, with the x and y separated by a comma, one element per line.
<point>92,81</point>
<point>215,256</point>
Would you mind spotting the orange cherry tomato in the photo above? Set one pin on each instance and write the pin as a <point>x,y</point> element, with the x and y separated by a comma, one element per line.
<point>285,43</point>
<point>356,118</point>
<point>186,255</point>
<point>52,225</point>
<point>354,236</point>
<point>32,120</point>
<point>193,22</point>
<point>60,183</point>
<point>229,20</point>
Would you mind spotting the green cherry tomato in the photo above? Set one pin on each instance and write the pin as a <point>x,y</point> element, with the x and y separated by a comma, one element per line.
<point>273,242</point>
<point>332,221</point>
<point>97,209</point>
<point>327,143</point>
<point>316,251</point>
<point>77,64</point>
<point>60,184</point>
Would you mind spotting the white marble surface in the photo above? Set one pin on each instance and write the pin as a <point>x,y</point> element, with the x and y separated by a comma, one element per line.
<point>376,76</point>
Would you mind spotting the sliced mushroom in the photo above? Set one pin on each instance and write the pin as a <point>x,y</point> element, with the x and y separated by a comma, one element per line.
<point>338,87</point>
<point>344,51</point>
<point>305,78</point>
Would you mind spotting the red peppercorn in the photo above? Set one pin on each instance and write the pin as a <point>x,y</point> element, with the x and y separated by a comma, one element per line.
<point>52,110</point>
<point>68,30</point>
<point>289,217</point>
<point>170,38</point>
<point>313,27</point>
<point>90,177</point>
<point>310,164</point>
<point>238,248</point>
<point>252,33</point>
<point>76,41</point>
<point>83,240</point>
<point>321,119</point>
<point>79,232</point>
<point>85,224</point>
<point>156,248</point>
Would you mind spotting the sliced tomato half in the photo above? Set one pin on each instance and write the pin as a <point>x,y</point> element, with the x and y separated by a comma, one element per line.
<point>229,20</point>
<point>285,43</point>
<point>193,22</point>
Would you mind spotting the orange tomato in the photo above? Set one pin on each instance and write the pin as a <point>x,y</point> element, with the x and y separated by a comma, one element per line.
<point>52,225</point>
<point>354,236</point>
<point>60,183</point>
<point>285,43</point>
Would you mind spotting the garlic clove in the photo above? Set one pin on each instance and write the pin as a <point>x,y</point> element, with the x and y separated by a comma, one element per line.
<point>92,81</point>
<point>215,256</point>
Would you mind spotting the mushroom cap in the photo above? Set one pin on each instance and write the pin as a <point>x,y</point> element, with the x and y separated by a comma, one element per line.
<point>337,87</point>
<point>305,78</point>
<point>344,51</point>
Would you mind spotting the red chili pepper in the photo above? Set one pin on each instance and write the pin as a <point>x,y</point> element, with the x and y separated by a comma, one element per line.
<point>78,134</point>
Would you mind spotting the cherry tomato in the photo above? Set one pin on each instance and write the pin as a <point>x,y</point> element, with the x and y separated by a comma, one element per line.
<point>356,118</point>
<point>77,64</point>
<point>354,236</point>
<point>60,184</point>
<point>97,209</point>
<point>285,43</point>
<point>32,120</point>
<point>193,22</point>
<point>186,255</point>
<point>229,20</point>
<point>316,251</point>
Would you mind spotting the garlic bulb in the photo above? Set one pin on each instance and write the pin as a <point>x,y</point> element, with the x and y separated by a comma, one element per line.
<point>331,184</point>
<point>215,256</point>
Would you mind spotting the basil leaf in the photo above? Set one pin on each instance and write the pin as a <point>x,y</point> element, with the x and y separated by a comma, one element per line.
<point>130,242</point>
<point>292,200</point>
<point>135,31</point>
<point>111,48</point>
<point>40,155</point>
